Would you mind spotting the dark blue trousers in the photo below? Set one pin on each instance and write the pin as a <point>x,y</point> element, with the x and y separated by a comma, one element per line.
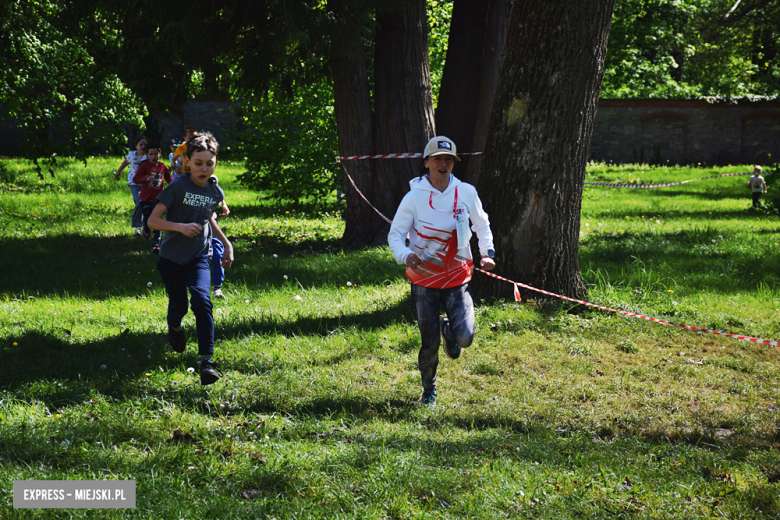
<point>217,271</point>
<point>195,277</point>
<point>146,209</point>
<point>459,308</point>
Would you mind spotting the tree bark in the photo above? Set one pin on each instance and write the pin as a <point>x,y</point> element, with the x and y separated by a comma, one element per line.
<point>403,101</point>
<point>539,135</point>
<point>354,123</point>
<point>475,49</point>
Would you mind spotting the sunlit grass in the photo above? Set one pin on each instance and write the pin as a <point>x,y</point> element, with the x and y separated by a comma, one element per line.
<point>555,412</point>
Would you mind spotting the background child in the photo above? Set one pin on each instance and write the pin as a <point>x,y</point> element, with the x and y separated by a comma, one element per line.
<point>149,176</point>
<point>217,271</point>
<point>175,169</point>
<point>181,151</point>
<point>758,184</point>
<point>133,159</point>
<point>190,203</point>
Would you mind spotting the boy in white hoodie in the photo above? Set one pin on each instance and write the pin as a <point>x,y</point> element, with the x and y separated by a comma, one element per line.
<point>435,214</point>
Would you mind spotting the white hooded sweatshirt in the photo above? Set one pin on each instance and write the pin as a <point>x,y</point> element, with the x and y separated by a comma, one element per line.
<point>428,217</point>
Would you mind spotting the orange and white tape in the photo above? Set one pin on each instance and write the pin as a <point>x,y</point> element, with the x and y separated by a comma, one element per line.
<point>635,315</point>
<point>624,185</point>
<point>394,156</point>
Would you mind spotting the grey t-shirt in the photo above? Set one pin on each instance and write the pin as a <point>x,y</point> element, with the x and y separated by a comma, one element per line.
<point>187,202</point>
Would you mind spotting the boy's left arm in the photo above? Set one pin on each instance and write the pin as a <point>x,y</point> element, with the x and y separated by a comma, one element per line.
<point>167,174</point>
<point>227,256</point>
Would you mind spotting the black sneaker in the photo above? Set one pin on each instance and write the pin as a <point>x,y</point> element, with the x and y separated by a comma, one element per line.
<point>177,340</point>
<point>208,372</point>
<point>450,347</point>
<point>428,398</point>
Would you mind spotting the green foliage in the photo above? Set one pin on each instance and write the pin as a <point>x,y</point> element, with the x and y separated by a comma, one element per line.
<point>439,16</point>
<point>692,49</point>
<point>289,137</point>
<point>290,141</point>
<point>64,102</point>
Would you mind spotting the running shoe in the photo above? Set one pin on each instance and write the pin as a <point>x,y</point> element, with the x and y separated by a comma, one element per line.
<point>428,398</point>
<point>218,292</point>
<point>177,340</point>
<point>208,372</point>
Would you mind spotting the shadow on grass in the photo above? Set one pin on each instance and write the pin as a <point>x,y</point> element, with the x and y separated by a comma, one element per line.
<point>104,267</point>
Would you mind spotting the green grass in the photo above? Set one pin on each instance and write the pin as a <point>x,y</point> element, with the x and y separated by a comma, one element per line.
<point>554,412</point>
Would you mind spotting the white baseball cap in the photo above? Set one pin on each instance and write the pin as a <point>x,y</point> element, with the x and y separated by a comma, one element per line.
<point>440,145</point>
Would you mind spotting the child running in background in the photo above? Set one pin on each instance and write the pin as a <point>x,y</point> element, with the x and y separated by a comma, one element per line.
<point>758,185</point>
<point>217,271</point>
<point>133,159</point>
<point>184,255</point>
<point>181,152</point>
<point>175,168</point>
<point>149,176</point>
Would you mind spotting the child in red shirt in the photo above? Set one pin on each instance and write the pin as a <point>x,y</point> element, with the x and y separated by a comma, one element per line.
<point>150,175</point>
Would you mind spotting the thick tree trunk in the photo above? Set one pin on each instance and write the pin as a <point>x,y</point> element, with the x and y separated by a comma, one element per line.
<point>403,101</point>
<point>354,123</point>
<point>475,49</point>
<point>540,129</point>
<point>492,58</point>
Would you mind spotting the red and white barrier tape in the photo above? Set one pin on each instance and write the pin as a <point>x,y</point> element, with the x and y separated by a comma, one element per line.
<point>394,156</point>
<point>619,185</point>
<point>630,314</point>
<point>634,315</point>
<point>363,196</point>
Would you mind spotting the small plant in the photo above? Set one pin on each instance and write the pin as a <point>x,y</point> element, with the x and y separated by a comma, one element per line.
<point>627,346</point>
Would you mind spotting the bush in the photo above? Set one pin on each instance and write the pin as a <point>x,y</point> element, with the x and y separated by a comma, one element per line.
<point>290,143</point>
<point>771,198</point>
<point>7,175</point>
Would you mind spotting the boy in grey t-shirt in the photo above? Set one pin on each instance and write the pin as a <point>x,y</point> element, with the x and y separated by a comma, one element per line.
<point>186,248</point>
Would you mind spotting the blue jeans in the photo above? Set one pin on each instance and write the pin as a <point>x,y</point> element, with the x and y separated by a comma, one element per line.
<point>195,277</point>
<point>137,220</point>
<point>147,208</point>
<point>217,271</point>
<point>459,307</point>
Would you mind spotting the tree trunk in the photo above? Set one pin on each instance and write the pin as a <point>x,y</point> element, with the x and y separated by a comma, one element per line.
<point>539,135</point>
<point>354,123</point>
<point>403,101</point>
<point>475,49</point>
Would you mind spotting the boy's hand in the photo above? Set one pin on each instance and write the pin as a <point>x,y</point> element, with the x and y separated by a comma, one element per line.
<point>225,209</point>
<point>192,229</point>
<point>487,263</point>
<point>227,257</point>
<point>116,176</point>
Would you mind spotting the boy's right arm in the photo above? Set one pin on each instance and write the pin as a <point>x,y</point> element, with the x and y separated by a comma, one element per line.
<point>157,222</point>
<point>121,167</point>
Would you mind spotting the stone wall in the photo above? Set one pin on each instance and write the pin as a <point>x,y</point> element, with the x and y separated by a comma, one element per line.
<point>686,132</point>
<point>212,114</point>
<point>624,131</point>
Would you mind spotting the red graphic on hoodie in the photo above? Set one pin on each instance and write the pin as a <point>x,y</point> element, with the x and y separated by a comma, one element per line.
<point>447,271</point>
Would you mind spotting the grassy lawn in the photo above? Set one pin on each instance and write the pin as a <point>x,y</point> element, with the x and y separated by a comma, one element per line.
<point>554,412</point>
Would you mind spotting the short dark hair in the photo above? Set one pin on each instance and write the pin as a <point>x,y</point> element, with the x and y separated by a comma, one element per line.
<point>140,138</point>
<point>152,146</point>
<point>201,143</point>
<point>190,129</point>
